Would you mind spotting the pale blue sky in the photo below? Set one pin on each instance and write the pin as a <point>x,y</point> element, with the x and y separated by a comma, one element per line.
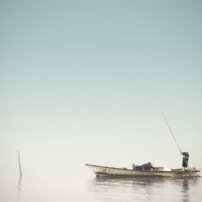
<point>101,64</point>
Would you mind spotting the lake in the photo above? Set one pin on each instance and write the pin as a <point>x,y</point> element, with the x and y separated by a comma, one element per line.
<point>53,168</point>
<point>51,183</point>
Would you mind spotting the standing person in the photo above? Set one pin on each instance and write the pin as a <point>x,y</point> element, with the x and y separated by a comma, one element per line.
<point>185,159</point>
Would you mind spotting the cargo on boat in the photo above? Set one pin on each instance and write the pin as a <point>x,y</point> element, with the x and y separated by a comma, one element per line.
<point>103,171</point>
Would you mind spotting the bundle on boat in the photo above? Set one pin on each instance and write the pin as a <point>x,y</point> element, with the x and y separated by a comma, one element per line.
<point>149,167</point>
<point>146,166</point>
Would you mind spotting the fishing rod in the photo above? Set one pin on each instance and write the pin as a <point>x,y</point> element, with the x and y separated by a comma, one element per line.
<point>171,133</point>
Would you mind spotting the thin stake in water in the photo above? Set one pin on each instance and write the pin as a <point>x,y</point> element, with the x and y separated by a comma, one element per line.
<point>19,164</point>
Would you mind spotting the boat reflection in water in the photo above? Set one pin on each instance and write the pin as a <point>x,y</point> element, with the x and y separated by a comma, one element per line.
<point>146,189</point>
<point>19,183</point>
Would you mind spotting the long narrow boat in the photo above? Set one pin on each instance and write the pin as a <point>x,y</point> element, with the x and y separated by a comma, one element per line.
<point>103,171</point>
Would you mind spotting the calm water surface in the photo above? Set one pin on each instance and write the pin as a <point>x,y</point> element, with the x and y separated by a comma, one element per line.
<point>83,186</point>
<point>141,189</point>
<point>54,171</point>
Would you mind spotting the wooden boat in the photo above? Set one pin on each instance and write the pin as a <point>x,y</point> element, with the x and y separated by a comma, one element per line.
<point>103,171</point>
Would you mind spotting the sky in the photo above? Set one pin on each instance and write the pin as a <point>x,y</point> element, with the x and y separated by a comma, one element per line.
<point>102,71</point>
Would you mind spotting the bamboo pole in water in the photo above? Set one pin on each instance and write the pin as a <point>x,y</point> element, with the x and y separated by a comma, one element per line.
<point>19,164</point>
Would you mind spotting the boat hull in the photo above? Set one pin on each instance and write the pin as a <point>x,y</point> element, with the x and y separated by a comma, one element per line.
<point>102,171</point>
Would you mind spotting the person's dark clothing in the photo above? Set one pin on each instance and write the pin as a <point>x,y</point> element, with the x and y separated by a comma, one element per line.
<point>185,159</point>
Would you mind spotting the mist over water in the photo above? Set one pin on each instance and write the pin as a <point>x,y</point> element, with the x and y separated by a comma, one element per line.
<point>54,170</point>
<point>81,185</point>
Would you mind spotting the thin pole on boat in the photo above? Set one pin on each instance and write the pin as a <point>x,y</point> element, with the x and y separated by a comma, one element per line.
<point>171,132</point>
<point>19,164</point>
